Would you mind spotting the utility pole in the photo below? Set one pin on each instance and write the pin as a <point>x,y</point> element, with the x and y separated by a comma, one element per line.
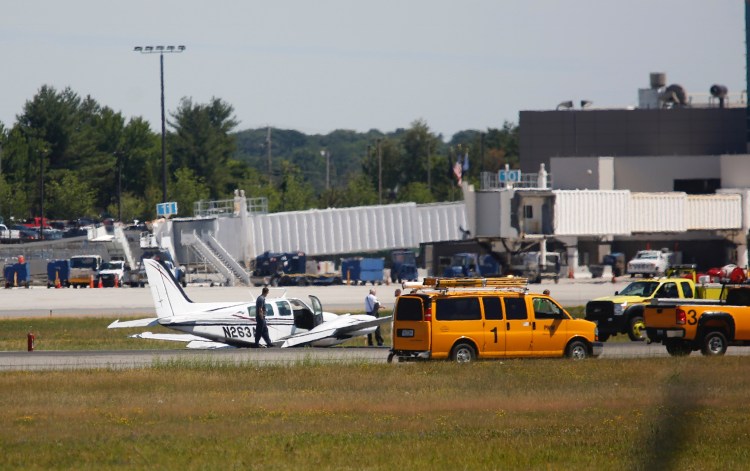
<point>327,155</point>
<point>380,175</point>
<point>429,173</point>
<point>268,151</point>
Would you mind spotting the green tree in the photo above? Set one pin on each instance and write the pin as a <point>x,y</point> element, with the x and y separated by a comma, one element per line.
<point>13,202</point>
<point>359,192</point>
<point>67,197</point>
<point>189,188</point>
<point>295,193</point>
<point>416,192</point>
<point>202,143</point>
<point>132,207</point>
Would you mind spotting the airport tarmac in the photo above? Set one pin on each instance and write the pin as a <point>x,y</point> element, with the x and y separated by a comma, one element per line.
<point>40,301</point>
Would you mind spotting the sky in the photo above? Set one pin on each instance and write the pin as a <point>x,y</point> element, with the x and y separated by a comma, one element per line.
<point>318,66</point>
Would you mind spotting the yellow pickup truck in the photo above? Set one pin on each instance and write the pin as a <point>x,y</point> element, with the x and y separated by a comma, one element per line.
<point>684,326</point>
<point>623,312</point>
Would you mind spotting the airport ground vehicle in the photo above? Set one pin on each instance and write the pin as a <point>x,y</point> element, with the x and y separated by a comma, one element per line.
<point>529,265</point>
<point>403,266</point>
<point>83,269</point>
<point>289,269</point>
<point>623,312</point>
<point>650,263</point>
<point>112,274</point>
<point>9,236</point>
<point>465,319</point>
<point>683,326</point>
<point>137,276</point>
<point>471,264</point>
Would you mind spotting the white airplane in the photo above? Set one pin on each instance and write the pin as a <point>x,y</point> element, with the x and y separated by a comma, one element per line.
<point>291,322</point>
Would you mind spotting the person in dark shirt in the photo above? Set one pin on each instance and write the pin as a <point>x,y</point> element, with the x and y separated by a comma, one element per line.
<point>261,327</point>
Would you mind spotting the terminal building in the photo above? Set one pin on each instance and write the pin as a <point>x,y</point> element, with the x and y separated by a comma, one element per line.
<point>672,173</point>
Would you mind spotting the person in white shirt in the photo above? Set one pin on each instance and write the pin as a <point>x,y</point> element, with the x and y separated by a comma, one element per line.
<point>372,306</point>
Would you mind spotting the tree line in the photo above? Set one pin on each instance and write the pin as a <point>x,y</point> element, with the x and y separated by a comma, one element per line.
<point>67,156</point>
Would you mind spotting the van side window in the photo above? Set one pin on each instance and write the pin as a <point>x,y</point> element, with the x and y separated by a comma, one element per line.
<point>408,309</point>
<point>515,309</point>
<point>492,308</point>
<point>687,290</point>
<point>458,309</point>
<point>546,309</point>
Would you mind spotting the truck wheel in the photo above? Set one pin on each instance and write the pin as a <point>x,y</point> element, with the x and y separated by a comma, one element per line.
<point>577,350</point>
<point>390,357</point>
<point>678,349</point>
<point>463,353</point>
<point>714,344</point>
<point>637,329</point>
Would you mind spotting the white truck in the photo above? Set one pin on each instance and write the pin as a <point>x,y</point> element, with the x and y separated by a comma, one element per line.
<point>651,263</point>
<point>9,236</point>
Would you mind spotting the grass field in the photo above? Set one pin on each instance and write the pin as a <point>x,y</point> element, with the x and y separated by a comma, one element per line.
<point>655,413</point>
<point>668,413</point>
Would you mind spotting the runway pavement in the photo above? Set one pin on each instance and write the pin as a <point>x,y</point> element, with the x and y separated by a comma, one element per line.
<point>72,360</point>
<point>39,301</point>
<point>120,302</point>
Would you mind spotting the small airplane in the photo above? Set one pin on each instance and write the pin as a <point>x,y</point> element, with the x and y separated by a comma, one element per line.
<point>291,322</point>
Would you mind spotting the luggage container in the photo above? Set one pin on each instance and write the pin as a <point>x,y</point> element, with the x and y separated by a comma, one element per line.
<point>58,271</point>
<point>17,274</point>
<point>363,270</point>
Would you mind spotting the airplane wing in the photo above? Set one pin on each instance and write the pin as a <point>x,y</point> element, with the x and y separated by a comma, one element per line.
<point>342,327</point>
<point>147,322</point>
<point>193,340</point>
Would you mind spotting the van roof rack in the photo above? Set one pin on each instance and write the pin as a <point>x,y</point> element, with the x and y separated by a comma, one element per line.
<point>506,283</point>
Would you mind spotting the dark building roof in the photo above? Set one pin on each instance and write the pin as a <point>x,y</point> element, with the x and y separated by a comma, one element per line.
<point>638,132</point>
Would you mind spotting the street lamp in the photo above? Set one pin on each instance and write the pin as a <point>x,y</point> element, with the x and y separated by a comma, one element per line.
<point>161,50</point>
<point>327,155</point>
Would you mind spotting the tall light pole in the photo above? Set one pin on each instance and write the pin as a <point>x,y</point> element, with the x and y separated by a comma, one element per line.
<point>327,155</point>
<point>161,50</point>
<point>380,174</point>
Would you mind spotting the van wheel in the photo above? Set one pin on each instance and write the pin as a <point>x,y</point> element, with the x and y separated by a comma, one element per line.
<point>714,344</point>
<point>463,353</point>
<point>577,350</point>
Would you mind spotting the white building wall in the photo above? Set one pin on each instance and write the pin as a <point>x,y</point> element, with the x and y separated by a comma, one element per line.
<point>658,212</point>
<point>735,171</point>
<point>591,212</point>
<point>714,212</point>
<point>361,229</point>
<point>657,174</point>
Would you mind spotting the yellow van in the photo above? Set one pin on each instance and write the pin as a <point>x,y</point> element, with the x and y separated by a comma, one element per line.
<point>468,318</point>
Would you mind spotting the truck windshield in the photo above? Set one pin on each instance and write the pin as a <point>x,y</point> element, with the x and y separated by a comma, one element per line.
<point>83,262</point>
<point>111,265</point>
<point>640,288</point>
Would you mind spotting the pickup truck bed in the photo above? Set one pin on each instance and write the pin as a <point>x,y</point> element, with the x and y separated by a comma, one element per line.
<point>683,327</point>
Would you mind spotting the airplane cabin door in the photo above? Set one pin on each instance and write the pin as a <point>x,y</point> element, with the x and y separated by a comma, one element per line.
<point>317,310</point>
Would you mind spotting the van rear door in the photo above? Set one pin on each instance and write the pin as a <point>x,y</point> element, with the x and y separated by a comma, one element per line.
<point>410,330</point>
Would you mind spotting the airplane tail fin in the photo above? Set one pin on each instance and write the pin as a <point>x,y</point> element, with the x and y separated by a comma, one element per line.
<point>169,298</point>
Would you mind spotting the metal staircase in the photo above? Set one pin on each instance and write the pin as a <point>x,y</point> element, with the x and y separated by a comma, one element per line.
<point>210,250</point>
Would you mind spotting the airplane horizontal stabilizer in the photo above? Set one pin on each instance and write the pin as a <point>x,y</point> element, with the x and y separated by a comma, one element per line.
<point>147,322</point>
<point>171,337</point>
